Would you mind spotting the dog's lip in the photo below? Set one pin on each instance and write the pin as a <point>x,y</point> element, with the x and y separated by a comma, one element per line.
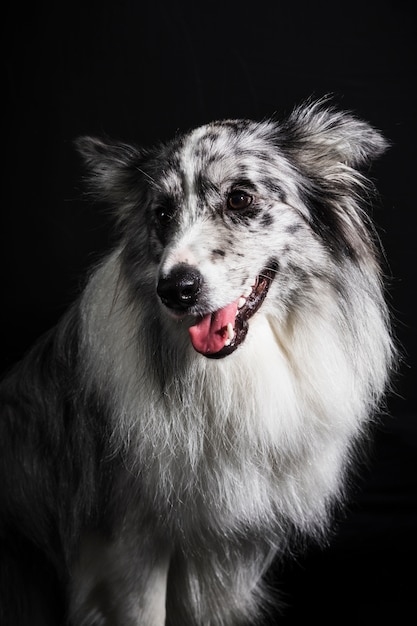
<point>247,306</point>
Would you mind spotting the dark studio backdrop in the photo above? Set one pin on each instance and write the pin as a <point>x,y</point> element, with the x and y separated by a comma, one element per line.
<point>141,70</point>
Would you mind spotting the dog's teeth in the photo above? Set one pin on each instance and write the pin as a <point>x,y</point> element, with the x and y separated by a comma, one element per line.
<point>230,332</point>
<point>242,302</point>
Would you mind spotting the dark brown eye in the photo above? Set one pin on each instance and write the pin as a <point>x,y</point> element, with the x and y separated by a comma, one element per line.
<point>239,200</point>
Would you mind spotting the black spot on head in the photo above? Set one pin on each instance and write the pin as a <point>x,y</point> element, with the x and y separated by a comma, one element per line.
<point>292,228</point>
<point>216,254</point>
<point>266,220</point>
<point>242,174</point>
<point>234,125</point>
<point>303,278</point>
<point>273,188</point>
<point>212,134</point>
<point>212,158</point>
<point>203,185</point>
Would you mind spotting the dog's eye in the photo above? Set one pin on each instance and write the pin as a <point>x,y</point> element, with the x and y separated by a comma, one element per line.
<point>238,200</point>
<point>164,214</point>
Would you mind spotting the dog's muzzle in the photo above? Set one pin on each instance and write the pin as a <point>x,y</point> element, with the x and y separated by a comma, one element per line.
<point>214,334</point>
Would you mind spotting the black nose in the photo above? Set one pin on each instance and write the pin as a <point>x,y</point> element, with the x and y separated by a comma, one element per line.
<point>179,290</point>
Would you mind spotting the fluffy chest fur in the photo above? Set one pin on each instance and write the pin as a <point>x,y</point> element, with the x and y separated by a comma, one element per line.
<point>260,437</point>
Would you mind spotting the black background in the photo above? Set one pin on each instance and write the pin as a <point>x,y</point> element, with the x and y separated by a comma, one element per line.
<point>140,71</point>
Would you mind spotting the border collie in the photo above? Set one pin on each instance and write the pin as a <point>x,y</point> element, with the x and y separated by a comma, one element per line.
<point>196,410</point>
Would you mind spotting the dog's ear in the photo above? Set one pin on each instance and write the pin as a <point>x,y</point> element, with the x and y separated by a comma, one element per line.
<point>321,138</point>
<point>114,171</point>
<point>329,148</point>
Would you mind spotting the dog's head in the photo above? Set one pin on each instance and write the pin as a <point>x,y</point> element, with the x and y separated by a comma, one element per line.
<point>238,216</point>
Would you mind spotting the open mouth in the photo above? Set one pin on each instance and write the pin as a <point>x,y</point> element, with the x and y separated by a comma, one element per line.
<point>218,334</point>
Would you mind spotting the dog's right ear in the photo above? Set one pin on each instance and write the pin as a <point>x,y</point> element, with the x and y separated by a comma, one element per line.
<point>114,171</point>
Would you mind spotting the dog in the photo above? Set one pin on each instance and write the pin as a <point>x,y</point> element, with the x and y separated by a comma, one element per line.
<point>195,413</point>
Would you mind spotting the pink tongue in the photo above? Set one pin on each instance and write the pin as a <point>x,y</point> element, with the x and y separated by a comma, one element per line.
<point>209,334</point>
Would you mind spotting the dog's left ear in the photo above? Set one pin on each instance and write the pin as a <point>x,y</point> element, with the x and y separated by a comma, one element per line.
<point>320,138</point>
<point>114,171</point>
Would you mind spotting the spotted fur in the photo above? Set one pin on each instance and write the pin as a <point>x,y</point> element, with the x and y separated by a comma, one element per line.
<point>154,484</point>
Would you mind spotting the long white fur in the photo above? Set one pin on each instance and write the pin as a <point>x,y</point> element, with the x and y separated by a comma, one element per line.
<point>230,457</point>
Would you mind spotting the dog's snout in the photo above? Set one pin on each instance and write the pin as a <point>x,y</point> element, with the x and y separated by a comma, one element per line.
<point>179,290</point>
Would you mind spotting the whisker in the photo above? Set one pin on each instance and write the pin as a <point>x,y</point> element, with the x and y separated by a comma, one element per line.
<point>148,176</point>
